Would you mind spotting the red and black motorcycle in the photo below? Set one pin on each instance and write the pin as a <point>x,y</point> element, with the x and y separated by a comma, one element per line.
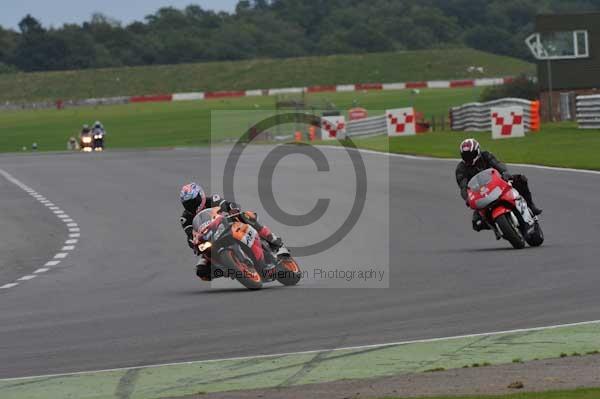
<point>235,250</point>
<point>504,210</point>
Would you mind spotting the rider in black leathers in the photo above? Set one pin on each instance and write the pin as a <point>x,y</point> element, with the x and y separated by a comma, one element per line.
<point>474,161</point>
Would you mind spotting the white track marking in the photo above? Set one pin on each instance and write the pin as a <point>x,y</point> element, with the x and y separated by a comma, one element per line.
<point>41,270</point>
<point>52,263</point>
<point>310,352</point>
<point>61,215</point>
<point>426,158</point>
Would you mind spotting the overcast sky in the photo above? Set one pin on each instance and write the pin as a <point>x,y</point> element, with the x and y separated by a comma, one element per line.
<point>57,12</point>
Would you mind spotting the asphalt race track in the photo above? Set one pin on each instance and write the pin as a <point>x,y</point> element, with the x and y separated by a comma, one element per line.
<point>128,295</point>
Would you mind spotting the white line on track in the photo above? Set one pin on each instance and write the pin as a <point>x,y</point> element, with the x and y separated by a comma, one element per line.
<point>61,215</point>
<point>41,270</point>
<point>426,158</point>
<point>310,352</point>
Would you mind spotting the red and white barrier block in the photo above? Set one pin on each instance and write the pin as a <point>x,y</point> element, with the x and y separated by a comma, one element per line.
<point>333,128</point>
<point>508,122</point>
<point>401,122</point>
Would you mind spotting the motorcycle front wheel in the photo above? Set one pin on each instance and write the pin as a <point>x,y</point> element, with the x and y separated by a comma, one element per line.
<point>245,274</point>
<point>288,271</point>
<point>511,232</point>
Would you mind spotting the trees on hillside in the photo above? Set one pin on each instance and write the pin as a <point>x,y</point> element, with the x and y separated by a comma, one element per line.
<point>278,28</point>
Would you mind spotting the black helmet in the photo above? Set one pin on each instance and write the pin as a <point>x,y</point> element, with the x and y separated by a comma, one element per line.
<point>470,151</point>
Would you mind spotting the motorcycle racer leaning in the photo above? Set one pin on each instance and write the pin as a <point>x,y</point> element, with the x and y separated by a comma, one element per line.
<point>474,161</point>
<point>194,200</point>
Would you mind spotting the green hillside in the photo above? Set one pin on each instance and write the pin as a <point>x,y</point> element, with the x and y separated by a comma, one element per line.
<point>257,74</point>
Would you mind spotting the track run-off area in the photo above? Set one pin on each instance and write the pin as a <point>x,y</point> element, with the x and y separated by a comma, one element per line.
<point>126,295</point>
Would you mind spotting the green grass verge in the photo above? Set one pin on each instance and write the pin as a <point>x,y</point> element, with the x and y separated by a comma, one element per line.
<point>189,123</point>
<point>561,145</point>
<point>257,74</point>
<point>576,394</point>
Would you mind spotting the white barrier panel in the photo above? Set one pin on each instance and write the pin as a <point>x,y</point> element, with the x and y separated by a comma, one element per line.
<point>333,128</point>
<point>507,122</point>
<point>345,88</point>
<point>438,84</point>
<point>401,122</point>
<point>188,96</point>
<point>287,90</point>
<point>588,112</point>
<point>254,93</point>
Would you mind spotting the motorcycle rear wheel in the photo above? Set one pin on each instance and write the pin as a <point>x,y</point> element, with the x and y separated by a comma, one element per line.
<point>245,274</point>
<point>510,232</point>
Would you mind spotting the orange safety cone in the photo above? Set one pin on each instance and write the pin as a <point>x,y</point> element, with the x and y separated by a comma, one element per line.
<point>312,133</point>
<point>298,137</point>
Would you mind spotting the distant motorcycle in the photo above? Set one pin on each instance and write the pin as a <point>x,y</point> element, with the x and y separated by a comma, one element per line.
<point>86,142</point>
<point>235,250</point>
<point>98,140</point>
<point>504,209</point>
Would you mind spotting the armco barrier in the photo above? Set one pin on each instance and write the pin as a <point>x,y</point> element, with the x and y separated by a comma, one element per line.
<point>367,127</point>
<point>477,116</point>
<point>588,112</point>
<point>196,96</point>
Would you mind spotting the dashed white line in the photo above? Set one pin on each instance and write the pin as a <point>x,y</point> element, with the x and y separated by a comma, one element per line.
<point>41,270</point>
<point>61,215</point>
<point>52,263</point>
<point>6,286</point>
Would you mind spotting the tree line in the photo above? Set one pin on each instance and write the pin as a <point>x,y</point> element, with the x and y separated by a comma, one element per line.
<point>278,29</point>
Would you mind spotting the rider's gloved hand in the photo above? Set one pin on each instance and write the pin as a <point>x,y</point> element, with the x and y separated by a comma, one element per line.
<point>507,176</point>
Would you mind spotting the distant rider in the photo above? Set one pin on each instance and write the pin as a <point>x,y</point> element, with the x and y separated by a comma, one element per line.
<point>99,128</point>
<point>474,161</point>
<point>194,200</point>
<point>85,130</point>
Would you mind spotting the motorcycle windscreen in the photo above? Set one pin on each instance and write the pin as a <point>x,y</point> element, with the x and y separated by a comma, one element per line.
<point>482,179</point>
<point>202,220</point>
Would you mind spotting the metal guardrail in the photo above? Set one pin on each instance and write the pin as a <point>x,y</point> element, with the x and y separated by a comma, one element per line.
<point>588,112</point>
<point>477,116</point>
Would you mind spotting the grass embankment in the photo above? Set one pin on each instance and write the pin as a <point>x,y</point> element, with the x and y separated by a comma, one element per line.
<point>257,74</point>
<point>576,394</point>
<point>189,123</point>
